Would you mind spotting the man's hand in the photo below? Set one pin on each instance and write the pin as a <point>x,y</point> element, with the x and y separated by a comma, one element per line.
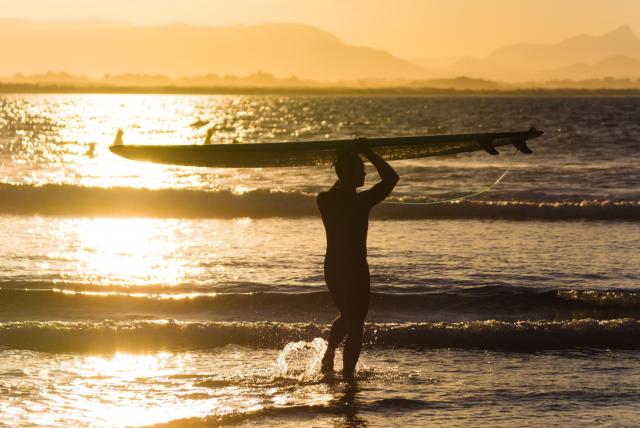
<point>361,145</point>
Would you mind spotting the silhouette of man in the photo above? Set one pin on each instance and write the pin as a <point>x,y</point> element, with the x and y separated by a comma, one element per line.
<point>345,214</point>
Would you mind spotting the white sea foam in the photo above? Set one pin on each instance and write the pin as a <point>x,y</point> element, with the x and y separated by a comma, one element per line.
<point>171,203</point>
<point>107,336</point>
<point>301,360</point>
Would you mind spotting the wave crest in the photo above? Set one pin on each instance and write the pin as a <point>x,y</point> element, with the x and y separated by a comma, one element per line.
<point>176,203</point>
<point>481,303</point>
<point>142,336</point>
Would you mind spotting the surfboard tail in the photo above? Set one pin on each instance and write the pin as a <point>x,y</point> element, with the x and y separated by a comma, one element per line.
<point>521,145</point>
<point>520,142</point>
<point>487,145</point>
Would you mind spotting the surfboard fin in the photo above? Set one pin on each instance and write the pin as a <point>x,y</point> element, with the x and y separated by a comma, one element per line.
<point>521,144</point>
<point>487,146</point>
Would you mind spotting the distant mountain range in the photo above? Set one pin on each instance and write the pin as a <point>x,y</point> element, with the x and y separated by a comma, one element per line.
<point>96,47</point>
<point>614,54</point>
<point>613,66</point>
<point>117,53</point>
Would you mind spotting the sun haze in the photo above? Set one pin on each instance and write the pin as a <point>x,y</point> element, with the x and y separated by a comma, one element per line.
<point>405,28</point>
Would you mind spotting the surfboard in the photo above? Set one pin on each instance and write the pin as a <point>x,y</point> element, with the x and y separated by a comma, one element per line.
<point>316,153</point>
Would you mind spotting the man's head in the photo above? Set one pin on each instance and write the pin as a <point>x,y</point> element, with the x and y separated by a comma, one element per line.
<point>350,169</point>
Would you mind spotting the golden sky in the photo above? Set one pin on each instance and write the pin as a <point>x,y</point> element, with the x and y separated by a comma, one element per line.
<point>406,28</point>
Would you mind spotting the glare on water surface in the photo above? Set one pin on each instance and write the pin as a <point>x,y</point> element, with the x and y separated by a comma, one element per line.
<point>65,139</point>
<point>141,254</point>
<point>131,251</point>
<point>123,390</point>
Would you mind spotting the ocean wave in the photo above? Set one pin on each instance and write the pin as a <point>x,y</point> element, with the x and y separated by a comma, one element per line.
<point>68,200</point>
<point>146,336</point>
<point>603,298</point>
<point>439,304</point>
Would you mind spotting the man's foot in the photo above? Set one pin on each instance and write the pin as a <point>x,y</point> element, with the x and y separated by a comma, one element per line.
<point>349,377</point>
<point>327,362</point>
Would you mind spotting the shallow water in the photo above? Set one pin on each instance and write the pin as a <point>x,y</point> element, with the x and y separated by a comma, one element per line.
<point>239,385</point>
<point>139,294</point>
<point>445,270</point>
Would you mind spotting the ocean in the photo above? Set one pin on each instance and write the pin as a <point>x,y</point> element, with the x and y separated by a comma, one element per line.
<point>135,294</point>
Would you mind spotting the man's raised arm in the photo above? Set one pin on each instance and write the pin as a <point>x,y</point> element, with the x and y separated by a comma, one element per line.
<point>388,176</point>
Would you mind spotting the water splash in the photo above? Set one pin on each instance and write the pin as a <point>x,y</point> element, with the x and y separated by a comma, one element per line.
<point>301,360</point>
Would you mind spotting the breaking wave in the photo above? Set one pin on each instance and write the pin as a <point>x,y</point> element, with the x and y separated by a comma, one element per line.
<point>441,304</point>
<point>71,200</point>
<point>139,336</point>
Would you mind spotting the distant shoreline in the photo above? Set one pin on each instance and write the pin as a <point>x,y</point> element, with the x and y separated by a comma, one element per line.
<point>8,88</point>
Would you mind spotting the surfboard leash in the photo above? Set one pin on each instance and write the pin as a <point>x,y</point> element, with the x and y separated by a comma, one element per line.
<point>462,198</point>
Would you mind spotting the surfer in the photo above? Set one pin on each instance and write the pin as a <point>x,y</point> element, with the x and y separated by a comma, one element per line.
<point>345,214</point>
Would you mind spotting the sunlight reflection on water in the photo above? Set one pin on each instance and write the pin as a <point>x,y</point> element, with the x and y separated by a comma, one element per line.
<point>134,251</point>
<point>122,390</point>
<point>233,385</point>
<point>47,137</point>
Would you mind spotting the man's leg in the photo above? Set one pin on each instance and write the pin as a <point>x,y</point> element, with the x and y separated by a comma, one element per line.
<point>354,321</point>
<point>338,331</point>
<point>352,347</point>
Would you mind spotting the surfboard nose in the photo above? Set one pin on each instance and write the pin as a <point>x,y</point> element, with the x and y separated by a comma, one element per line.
<point>118,140</point>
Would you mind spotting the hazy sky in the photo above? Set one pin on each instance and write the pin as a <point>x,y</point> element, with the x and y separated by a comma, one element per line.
<point>407,28</point>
